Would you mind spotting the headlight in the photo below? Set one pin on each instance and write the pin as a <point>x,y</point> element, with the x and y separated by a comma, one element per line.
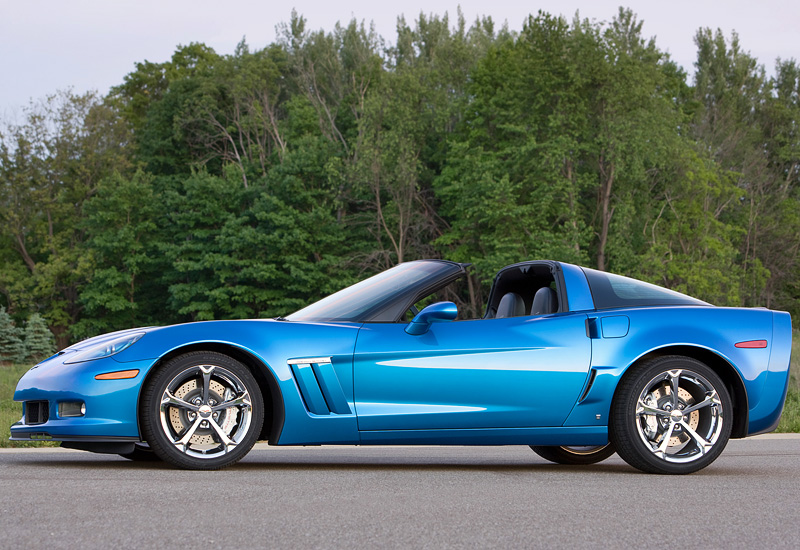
<point>105,349</point>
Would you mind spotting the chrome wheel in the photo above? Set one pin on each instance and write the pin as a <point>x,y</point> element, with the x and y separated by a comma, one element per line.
<point>202,410</point>
<point>205,411</point>
<point>671,415</point>
<point>583,450</point>
<point>679,415</point>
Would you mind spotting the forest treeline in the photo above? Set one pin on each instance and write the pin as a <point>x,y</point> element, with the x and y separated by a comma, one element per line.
<point>220,186</point>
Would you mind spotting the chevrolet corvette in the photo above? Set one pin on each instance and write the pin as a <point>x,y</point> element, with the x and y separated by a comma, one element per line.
<point>574,362</point>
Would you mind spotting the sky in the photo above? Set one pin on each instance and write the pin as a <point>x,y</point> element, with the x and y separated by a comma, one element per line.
<point>48,45</point>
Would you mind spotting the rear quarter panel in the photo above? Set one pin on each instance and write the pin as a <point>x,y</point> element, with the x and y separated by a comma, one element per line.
<point>709,328</point>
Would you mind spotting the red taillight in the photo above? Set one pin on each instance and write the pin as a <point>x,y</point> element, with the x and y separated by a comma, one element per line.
<point>752,344</point>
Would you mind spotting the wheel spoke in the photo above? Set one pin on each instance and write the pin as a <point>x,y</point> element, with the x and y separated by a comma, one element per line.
<point>206,370</point>
<point>644,409</point>
<point>224,439</point>
<point>183,442</point>
<point>169,400</point>
<point>711,399</point>
<point>661,450</point>
<point>242,400</point>
<point>702,445</point>
<point>674,381</point>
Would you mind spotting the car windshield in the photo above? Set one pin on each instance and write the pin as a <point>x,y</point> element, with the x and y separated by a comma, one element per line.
<point>362,300</point>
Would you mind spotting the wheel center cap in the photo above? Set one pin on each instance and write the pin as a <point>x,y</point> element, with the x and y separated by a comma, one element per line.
<point>676,414</point>
<point>204,411</point>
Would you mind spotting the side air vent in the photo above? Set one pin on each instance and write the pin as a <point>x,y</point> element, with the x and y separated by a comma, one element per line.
<point>36,412</point>
<point>319,386</point>
<point>592,376</point>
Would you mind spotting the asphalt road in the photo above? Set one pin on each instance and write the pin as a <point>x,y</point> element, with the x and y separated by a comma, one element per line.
<point>410,497</point>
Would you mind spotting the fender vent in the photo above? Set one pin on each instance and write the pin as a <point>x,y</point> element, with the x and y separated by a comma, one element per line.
<point>36,412</point>
<point>319,386</point>
<point>592,376</point>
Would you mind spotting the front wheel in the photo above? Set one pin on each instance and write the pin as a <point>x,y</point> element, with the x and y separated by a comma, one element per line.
<point>671,415</point>
<point>574,455</point>
<point>202,411</point>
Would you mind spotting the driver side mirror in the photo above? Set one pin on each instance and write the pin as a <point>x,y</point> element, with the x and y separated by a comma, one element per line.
<point>440,311</point>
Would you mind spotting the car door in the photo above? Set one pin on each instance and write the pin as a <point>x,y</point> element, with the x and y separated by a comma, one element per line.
<point>488,373</point>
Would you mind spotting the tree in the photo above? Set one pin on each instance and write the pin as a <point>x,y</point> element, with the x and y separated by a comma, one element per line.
<point>12,349</point>
<point>49,166</point>
<point>216,186</point>
<point>517,168</point>
<point>748,124</point>
<point>236,114</point>
<point>692,242</point>
<point>400,148</point>
<point>39,341</point>
<point>776,229</point>
<point>149,83</point>
<point>122,240</point>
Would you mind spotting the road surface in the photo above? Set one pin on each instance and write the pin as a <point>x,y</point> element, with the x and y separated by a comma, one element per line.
<point>393,497</point>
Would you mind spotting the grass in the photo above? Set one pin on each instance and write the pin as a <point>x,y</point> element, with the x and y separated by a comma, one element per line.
<point>11,411</point>
<point>790,419</point>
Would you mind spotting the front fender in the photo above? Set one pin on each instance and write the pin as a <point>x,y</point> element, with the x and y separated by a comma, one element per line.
<point>273,344</point>
<point>112,405</point>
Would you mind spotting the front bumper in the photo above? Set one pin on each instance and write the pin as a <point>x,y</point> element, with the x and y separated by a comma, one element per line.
<point>111,405</point>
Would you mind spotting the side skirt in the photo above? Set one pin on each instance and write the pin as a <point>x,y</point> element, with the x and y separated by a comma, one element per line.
<point>571,435</point>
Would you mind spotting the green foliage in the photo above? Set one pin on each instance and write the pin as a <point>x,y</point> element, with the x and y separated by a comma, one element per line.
<point>790,419</point>
<point>39,341</point>
<point>693,246</point>
<point>12,349</point>
<point>121,225</point>
<point>50,164</point>
<point>249,184</point>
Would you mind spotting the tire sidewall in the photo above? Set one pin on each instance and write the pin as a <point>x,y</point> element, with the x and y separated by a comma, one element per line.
<point>150,411</point>
<point>624,429</point>
<point>563,455</point>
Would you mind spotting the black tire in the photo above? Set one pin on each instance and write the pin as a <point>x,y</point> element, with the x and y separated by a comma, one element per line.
<point>574,455</point>
<point>141,453</point>
<point>183,414</point>
<point>647,432</point>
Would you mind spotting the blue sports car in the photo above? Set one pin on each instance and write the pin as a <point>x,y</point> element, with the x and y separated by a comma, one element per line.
<point>574,362</point>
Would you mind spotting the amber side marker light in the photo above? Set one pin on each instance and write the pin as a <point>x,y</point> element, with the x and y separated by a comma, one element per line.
<point>752,344</point>
<point>119,375</point>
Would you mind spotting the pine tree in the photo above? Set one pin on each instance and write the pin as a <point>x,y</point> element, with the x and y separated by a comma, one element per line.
<point>39,341</point>
<point>12,349</point>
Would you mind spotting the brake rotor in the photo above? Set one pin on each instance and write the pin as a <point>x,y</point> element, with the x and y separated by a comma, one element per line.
<point>203,436</point>
<point>685,398</point>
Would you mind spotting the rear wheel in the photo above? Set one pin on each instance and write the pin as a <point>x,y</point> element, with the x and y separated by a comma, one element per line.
<point>202,411</point>
<point>576,455</point>
<point>671,415</point>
